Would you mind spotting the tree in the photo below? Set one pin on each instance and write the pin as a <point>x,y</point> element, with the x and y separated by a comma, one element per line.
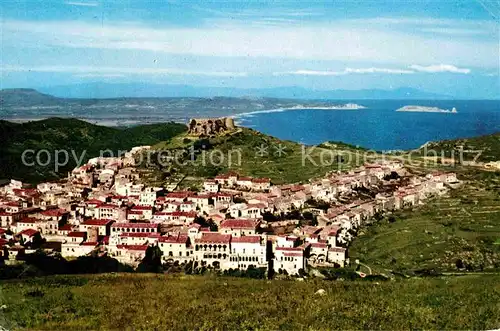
<point>151,261</point>
<point>37,241</point>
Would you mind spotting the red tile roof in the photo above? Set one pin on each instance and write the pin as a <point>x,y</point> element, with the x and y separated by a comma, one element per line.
<point>246,239</point>
<point>239,224</point>
<point>337,249</point>
<point>29,220</point>
<point>89,243</point>
<point>142,208</point>
<point>108,206</point>
<point>319,245</point>
<point>133,247</point>
<point>135,225</point>
<point>77,234</point>
<point>214,237</point>
<point>261,180</point>
<point>175,239</point>
<point>97,222</point>
<point>94,202</point>
<point>54,212</point>
<point>66,227</point>
<point>28,232</point>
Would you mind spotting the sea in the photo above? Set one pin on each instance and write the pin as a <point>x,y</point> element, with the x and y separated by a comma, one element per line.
<point>379,126</point>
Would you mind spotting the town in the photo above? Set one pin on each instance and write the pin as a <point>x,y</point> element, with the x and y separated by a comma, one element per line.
<point>231,222</point>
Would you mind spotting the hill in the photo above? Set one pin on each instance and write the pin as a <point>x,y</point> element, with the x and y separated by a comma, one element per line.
<point>450,233</point>
<point>170,302</point>
<point>25,97</point>
<point>73,136</point>
<point>249,153</point>
<point>28,104</point>
<point>142,90</point>
<point>486,148</point>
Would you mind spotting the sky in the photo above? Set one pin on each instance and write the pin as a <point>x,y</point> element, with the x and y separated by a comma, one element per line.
<point>442,46</point>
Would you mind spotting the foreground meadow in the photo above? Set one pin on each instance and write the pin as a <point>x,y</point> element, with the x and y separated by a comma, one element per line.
<point>174,302</point>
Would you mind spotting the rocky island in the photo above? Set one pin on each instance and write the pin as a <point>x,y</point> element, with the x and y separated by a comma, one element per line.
<point>424,109</point>
<point>347,106</point>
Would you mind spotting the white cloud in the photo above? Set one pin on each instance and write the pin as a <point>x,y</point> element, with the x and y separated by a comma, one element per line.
<point>333,41</point>
<point>440,68</point>
<point>96,70</point>
<point>346,71</point>
<point>82,4</point>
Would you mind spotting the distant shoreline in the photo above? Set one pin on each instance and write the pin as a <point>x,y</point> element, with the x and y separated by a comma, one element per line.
<point>425,109</point>
<point>348,106</point>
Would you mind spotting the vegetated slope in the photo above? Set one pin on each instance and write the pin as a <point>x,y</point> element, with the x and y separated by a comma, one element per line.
<point>459,231</point>
<point>251,153</point>
<point>173,302</point>
<point>26,98</point>
<point>70,135</point>
<point>488,145</point>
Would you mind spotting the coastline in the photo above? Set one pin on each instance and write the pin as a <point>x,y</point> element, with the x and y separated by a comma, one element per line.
<point>279,110</point>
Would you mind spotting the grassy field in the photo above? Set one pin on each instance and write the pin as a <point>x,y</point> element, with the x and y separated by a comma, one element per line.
<point>242,152</point>
<point>463,225</point>
<point>158,302</point>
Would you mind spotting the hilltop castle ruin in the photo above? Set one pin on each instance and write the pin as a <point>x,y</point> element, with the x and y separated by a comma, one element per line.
<point>211,126</point>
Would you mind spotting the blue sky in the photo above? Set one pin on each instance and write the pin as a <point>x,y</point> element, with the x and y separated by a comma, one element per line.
<point>442,46</point>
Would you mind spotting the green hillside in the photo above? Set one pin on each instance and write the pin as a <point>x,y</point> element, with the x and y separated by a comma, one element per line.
<point>173,302</point>
<point>489,147</point>
<point>251,153</point>
<point>458,231</point>
<point>70,135</point>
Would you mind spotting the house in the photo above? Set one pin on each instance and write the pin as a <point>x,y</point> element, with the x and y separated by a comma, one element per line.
<point>245,182</point>
<point>135,238</point>
<point>145,210</point>
<point>201,202</point>
<point>213,248</point>
<point>176,217</point>
<point>69,249</point>
<point>65,229</point>
<point>111,211</point>
<point>261,184</point>
<point>118,228</point>
<point>318,252</point>
<point>239,227</point>
<point>253,210</point>
<point>248,250</point>
<point>148,196</point>
<point>187,206</point>
<point>211,186</point>
<point>337,255</point>
<point>6,219</point>
<point>27,235</point>
<point>130,254</point>
<point>176,247</point>
<point>103,226</point>
<point>76,237</point>
<point>289,260</point>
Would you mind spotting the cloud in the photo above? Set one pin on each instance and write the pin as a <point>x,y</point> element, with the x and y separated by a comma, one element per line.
<point>346,71</point>
<point>440,68</point>
<point>326,41</point>
<point>96,75</point>
<point>87,71</point>
<point>82,4</point>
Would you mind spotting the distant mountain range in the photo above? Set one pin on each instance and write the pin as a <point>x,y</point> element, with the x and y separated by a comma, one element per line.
<point>141,90</point>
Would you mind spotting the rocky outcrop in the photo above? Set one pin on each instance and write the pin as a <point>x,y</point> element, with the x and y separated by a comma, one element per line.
<point>211,126</point>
